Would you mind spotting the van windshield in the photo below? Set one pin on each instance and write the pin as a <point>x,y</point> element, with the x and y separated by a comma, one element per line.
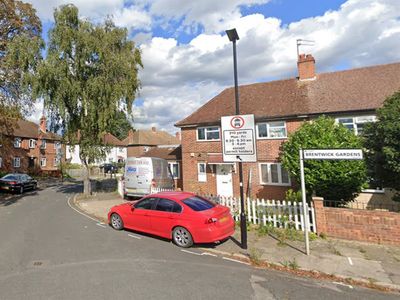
<point>198,204</point>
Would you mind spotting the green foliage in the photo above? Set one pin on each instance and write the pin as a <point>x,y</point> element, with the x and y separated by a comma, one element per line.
<point>120,125</point>
<point>20,52</point>
<point>255,256</point>
<point>293,196</point>
<point>382,139</point>
<point>333,180</point>
<point>90,71</point>
<point>291,264</point>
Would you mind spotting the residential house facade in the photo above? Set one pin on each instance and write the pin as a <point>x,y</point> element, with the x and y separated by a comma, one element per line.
<point>116,151</point>
<point>279,107</point>
<point>31,149</point>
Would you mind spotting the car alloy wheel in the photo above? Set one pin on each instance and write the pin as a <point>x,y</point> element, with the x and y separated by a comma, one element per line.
<point>116,222</point>
<point>21,189</point>
<point>182,237</point>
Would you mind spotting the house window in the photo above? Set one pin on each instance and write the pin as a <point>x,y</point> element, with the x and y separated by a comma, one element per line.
<point>56,161</point>
<point>201,172</point>
<point>43,162</point>
<point>174,168</point>
<point>43,144</point>
<point>57,145</point>
<point>17,143</point>
<point>271,130</point>
<point>32,143</point>
<point>16,162</point>
<point>356,124</point>
<point>208,134</point>
<point>273,174</point>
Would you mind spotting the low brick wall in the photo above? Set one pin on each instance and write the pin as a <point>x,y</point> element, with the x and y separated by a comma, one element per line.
<point>374,226</point>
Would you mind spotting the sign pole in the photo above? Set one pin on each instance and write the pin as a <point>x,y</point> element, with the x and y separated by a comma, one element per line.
<point>305,208</point>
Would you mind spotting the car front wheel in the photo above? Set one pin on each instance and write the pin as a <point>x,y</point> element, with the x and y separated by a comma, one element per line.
<point>116,222</point>
<point>182,237</point>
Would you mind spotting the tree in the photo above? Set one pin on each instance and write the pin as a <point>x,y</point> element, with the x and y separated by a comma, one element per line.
<point>20,52</point>
<point>120,125</point>
<point>382,139</point>
<point>333,180</point>
<point>89,72</point>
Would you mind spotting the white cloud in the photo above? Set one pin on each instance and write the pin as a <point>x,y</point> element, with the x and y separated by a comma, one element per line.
<point>133,17</point>
<point>178,78</point>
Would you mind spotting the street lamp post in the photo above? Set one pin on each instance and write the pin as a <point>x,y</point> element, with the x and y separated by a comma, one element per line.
<point>233,37</point>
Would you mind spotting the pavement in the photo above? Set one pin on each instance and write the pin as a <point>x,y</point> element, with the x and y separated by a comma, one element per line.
<point>348,261</point>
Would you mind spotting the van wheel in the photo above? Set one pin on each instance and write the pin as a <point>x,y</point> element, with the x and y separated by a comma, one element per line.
<point>116,222</point>
<point>182,237</point>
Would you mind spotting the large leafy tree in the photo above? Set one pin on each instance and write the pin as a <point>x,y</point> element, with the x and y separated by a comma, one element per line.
<point>333,180</point>
<point>20,52</point>
<point>89,73</point>
<point>120,125</point>
<point>382,139</point>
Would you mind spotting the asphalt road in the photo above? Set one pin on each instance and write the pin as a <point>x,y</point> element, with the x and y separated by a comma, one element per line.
<point>49,251</point>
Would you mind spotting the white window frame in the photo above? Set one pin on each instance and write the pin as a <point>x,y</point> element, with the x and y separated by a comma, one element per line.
<point>170,165</point>
<point>356,120</point>
<point>269,182</point>
<point>43,144</point>
<point>207,129</point>
<point>16,162</point>
<point>56,145</point>
<point>43,159</point>
<point>269,137</point>
<point>201,176</point>
<point>17,142</point>
<point>32,144</point>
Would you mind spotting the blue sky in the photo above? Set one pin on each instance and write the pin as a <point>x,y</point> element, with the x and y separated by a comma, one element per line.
<point>188,58</point>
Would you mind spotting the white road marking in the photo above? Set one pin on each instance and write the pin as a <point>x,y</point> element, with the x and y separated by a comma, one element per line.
<point>134,236</point>
<point>235,260</point>
<point>343,284</point>
<point>101,225</point>
<point>69,204</point>
<point>190,252</point>
<point>209,254</point>
<point>350,261</point>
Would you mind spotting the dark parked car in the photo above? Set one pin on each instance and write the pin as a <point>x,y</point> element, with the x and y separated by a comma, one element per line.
<point>109,168</point>
<point>17,183</point>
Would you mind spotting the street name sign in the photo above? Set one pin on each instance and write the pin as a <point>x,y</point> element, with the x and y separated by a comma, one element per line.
<point>333,154</point>
<point>238,138</point>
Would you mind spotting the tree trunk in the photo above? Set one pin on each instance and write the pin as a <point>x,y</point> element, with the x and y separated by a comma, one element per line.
<point>87,187</point>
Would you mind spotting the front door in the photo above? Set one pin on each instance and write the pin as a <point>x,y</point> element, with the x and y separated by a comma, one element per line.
<point>224,180</point>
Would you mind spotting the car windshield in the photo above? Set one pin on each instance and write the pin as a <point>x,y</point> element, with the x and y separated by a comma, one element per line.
<point>198,204</point>
<point>10,177</point>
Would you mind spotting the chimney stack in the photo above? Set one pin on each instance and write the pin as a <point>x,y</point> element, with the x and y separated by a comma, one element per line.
<point>42,124</point>
<point>153,129</point>
<point>178,135</point>
<point>306,67</point>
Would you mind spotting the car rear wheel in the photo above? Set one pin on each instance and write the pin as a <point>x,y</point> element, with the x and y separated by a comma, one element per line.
<point>21,190</point>
<point>116,222</point>
<point>182,237</point>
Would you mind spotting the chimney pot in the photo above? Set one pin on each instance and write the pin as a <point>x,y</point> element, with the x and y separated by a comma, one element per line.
<point>306,67</point>
<point>153,129</point>
<point>178,135</point>
<point>42,124</point>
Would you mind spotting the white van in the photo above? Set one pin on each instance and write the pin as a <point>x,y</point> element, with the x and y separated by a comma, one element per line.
<point>144,173</point>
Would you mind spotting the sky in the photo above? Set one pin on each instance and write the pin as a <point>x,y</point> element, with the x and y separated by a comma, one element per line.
<point>187,56</point>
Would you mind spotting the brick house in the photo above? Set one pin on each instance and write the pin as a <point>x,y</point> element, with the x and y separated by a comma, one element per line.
<point>172,154</point>
<point>30,148</point>
<point>279,107</point>
<point>140,141</point>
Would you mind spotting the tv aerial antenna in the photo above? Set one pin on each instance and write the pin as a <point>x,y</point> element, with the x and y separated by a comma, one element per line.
<point>303,42</point>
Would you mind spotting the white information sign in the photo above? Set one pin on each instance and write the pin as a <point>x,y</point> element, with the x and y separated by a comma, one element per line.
<point>238,138</point>
<point>333,154</point>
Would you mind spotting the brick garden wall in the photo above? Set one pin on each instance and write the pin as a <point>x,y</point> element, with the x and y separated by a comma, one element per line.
<point>374,226</point>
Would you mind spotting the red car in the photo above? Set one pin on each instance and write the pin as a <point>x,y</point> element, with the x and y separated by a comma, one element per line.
<point>183,217</point>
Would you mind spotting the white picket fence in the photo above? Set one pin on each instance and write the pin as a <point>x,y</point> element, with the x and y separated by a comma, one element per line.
<point>277,213</point>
